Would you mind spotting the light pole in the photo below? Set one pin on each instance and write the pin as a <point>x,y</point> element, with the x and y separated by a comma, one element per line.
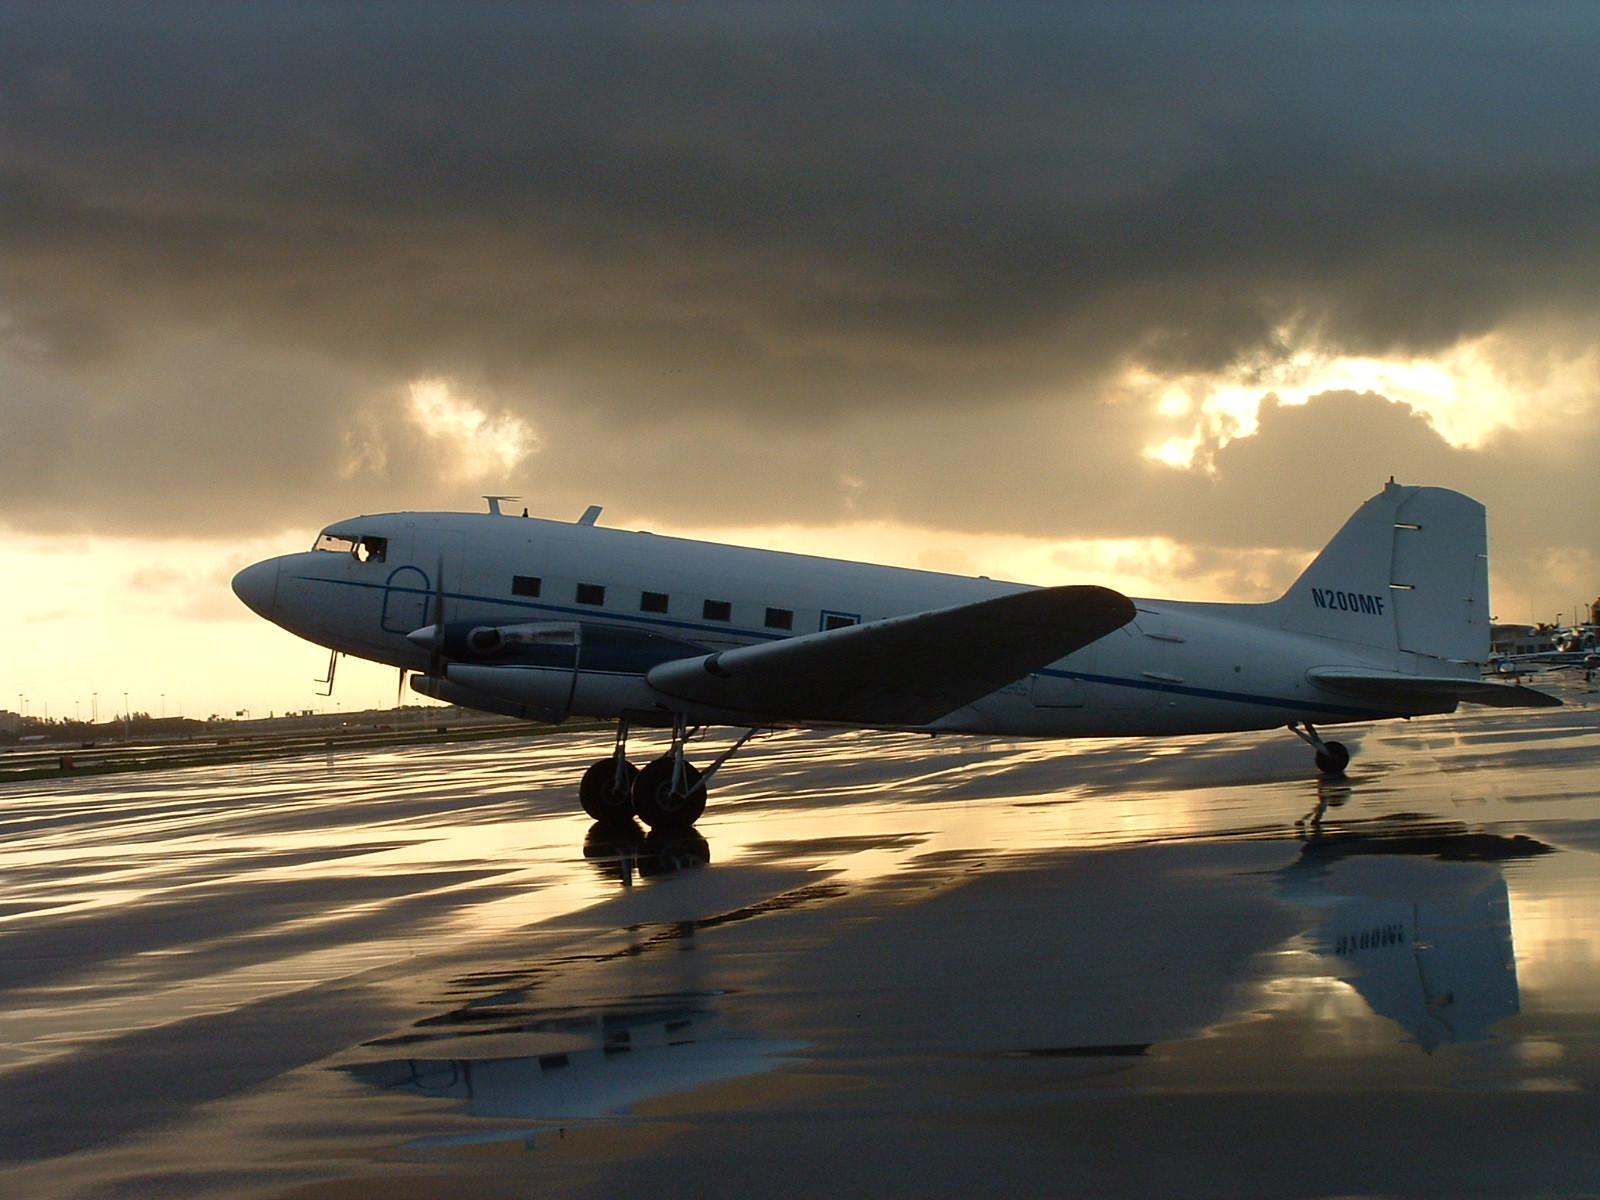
<point>126,716</point>
<point>94,708</point>
<point>163,706</point>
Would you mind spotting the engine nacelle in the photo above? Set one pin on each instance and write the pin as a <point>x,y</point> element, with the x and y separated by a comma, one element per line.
<point>453,693</point>
<point>487,640</point>
<point>547,670</point>
<point>541,641</point>
<point>553,690</point>
<point>548,689</point>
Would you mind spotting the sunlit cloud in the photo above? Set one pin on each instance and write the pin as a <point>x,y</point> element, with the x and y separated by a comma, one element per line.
<point>480,445</point>
<point>1175,451</point>
<point>1503,380</point>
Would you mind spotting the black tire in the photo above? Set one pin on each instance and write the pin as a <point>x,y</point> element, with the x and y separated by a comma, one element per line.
<point>1333,759</point>
<point>658,806</point>
<point>601,799</point>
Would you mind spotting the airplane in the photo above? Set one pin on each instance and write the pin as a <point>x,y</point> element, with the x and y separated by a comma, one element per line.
<point>545,620</point>
<point>1531,649</point>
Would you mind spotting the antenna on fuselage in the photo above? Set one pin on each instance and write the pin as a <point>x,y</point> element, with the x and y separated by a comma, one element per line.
<point>590,515</point>
<point>494,505</point>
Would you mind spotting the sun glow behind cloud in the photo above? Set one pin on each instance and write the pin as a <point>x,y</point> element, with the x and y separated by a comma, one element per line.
<point>1467,393</point>
<point>480,445</point>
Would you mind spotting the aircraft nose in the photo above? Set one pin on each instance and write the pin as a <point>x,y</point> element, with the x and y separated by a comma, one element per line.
<point>257,586</point>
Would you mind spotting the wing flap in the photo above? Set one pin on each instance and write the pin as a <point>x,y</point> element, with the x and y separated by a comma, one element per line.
<point>1424,689</point>
<point>901,671</point>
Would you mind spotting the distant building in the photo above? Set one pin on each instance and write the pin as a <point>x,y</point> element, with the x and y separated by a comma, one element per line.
<point>1522,639</point>
<point>10,722</point>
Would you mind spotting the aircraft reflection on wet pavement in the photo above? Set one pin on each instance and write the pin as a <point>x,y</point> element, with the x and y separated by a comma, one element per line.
<point>1412,914</point>
<point>607,1062</point>
<point>621,851</point>
<point>1419,915</point>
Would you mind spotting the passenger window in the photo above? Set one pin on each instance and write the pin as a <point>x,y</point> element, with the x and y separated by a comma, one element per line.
<point>591,593</point>
<point>837,620</point>
<point>718,610</point>
<point>525,585</point>
<point>372,549</point>
<point>780,618</point>
<point>655,602</point>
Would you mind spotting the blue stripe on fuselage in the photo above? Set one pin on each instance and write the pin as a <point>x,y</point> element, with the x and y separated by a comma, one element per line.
<point>1213,694</point>
<point>1301,706</point>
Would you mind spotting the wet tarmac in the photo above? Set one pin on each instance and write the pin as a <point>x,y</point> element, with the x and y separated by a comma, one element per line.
<point>882,965</point>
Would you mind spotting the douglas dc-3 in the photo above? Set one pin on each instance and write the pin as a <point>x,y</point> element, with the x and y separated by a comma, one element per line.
<point>544,620</point>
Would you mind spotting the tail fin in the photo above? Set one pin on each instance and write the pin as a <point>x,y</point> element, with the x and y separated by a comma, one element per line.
<point>1409,571</point>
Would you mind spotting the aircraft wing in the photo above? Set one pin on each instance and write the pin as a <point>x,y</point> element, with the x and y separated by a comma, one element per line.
<point>906,670</point>
<point>1391,685</point>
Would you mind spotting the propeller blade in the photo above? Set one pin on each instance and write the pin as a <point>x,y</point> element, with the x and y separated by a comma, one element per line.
<point>435,658</point>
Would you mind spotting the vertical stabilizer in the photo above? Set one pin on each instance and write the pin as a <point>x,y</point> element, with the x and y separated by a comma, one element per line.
<point>1409,571</point>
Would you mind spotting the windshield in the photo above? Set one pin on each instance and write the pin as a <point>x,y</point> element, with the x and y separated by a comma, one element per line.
<point>365,548</point>
<point>336,542</point>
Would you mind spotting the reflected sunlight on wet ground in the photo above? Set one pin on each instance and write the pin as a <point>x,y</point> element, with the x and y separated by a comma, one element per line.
<point>881,963</point>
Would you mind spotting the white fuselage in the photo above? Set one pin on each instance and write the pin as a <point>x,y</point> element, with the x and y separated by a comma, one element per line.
<point>1176,668</point>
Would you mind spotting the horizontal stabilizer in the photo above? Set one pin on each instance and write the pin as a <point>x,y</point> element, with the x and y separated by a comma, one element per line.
<point>1427,689</point>
<point>901,671</point>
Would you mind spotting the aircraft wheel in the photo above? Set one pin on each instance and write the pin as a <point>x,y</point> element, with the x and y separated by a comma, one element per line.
<point>600,798</point>
<point>658,806</point>
<point>1333,759</point>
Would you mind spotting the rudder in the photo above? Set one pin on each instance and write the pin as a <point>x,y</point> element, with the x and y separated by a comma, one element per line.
<point>1408,571</point>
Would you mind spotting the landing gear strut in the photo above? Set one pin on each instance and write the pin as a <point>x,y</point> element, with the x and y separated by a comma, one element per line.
<point>606,790</point>
<point>1332,757</point>
<point>669,793</point>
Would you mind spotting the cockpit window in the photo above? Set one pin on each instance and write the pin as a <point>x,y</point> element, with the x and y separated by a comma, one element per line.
<point>368,548</point>
<point>336,542</point>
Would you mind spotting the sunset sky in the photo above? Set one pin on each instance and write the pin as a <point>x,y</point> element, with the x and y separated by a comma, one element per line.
<point>1145,295</point>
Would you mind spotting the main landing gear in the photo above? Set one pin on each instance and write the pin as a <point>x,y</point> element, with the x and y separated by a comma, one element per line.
<point>669,793</point>
<point>1332,757</point>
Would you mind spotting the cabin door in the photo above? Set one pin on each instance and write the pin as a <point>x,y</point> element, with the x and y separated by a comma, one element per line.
<point>409,594</point>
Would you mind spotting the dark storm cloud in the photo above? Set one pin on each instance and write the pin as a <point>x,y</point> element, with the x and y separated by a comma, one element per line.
<point>878,257</point>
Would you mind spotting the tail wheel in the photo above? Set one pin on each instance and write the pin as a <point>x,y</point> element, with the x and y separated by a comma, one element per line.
<point>658,805</point>
<point>600,796</point>
<point>1333,758</point>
